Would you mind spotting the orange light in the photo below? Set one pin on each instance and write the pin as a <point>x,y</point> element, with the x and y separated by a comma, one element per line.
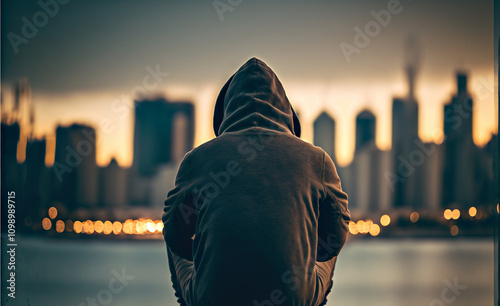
<point>78,227</point>
<point>385,220</point>
<point>46,224</point>
<point>60,226</point>
<point>454,230</point>
<point>117,227</point>
<point>127,227</point>
<point>360,225</point>
<point>455,214</point>
<point>151,226</point>
<point>367,225</point>
<point>353,228</point>
<point>159,226</point>
<point>472,211</point>
<point>98,226</point>
<point>52,213</point>
<point>447,214</point>
<point>88,227</point>
<point>108,228</point>
<point>414,217</point>
<point>374,230</point>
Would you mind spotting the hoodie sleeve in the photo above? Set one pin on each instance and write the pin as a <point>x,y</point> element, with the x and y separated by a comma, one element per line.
<point>179,215</point>
<point>334,216</point>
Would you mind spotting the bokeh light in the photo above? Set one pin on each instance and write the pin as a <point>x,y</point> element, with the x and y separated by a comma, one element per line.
<point>454,230</point>
<point>60,226</point>
<point>447,214</point>
<point>78,227</point>
<point>99,226</point>
<point>108,227</point>
<point>128,226</point>
<point>455,214</point>
<point>88,227</point>
<point>385,220</point>
<point>472,211</point>
<point>52,213</point>
<point>353,228</point>
<point>360,226</point>
<point>367,226</point>
<point>414,217</point>
<point>46,224</point>
<point>151,226</point>
<point>374,230</point>
<point>159,226</point>
<point>117,227</point>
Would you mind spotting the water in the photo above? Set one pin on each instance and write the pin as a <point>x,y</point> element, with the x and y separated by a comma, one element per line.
<point>369,272</point>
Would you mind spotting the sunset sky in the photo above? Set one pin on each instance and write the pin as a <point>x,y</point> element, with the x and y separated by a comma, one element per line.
<point>93,54</point>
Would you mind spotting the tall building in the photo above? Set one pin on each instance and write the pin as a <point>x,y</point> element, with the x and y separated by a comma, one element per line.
<point>365,129</point>
<point>75,172</point>
<point>324,134</point>
<point>459,179</point>
<point>368,189</point>
<point>405,133</point>
<point>36,190</point>
<point>163,134</point>
<point>159,125</point>
<point>9,167</point>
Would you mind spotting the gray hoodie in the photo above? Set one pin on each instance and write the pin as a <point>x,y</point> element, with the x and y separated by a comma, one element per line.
<point>265,206</point>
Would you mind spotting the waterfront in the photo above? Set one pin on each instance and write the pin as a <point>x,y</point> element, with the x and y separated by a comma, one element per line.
<point>369,272</point>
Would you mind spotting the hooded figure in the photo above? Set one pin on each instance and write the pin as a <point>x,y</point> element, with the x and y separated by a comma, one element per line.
<point>266,209</point>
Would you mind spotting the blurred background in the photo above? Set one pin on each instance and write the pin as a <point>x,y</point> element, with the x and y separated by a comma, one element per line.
<point>100,100</point>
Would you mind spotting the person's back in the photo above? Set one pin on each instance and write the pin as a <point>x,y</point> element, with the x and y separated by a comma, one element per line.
<point>265,206</point>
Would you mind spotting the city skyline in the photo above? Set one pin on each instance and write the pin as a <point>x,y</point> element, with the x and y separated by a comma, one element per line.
<point>73,80</point>
<point>414,174</point>
<point>122,107</point>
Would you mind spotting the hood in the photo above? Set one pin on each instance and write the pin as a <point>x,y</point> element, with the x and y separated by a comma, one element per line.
<point>254,97</point>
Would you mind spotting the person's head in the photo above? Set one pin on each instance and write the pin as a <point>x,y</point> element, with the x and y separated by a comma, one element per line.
<point>254,97</point>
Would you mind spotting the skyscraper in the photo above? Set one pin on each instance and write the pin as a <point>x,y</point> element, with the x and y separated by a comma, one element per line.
<point>324,134</point>
<point>36,192</point>
<point>459,181</point>
<point>369,190</point>
<point>75,172</point>
<point>365,129</point>
<point>405,133</point>
<point>157,125</point>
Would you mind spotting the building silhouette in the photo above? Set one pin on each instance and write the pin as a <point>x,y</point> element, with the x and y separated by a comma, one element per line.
<point>154,133</point>
<point>365,129</point>
<point>75,173</point>
<point>405,134</point>
<point>461,177</point>
<point>163,134</point>
<point>324,134</point>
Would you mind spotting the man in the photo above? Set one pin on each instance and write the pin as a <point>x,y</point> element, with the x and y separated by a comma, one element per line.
<point>266,209</point>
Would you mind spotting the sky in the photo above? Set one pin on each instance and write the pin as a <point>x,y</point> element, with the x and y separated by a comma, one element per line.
<point>89,56</point>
